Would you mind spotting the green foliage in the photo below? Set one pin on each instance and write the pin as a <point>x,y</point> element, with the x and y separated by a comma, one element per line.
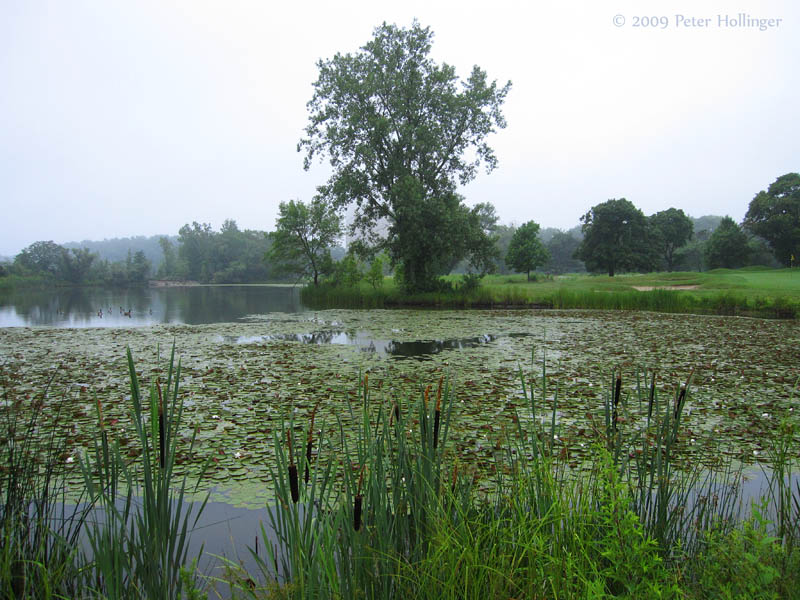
<point>562,247</point>
<point>401,132</point>
<point>303,237</point>
<point>672,229</point>
<point>526,252</point>
<point>748,562</point>
<point>40,258</point>
<point>375,274</point>
<point>775,216</point>
<point>616,238</point>
<point>727,247</point>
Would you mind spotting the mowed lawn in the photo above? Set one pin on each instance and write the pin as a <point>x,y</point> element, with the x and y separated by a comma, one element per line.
<point>749,282</point>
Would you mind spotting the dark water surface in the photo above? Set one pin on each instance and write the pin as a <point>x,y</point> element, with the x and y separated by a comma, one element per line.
<point>137,307</point>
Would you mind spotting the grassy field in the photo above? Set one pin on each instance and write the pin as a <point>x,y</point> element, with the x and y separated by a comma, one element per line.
<point>749,292</point>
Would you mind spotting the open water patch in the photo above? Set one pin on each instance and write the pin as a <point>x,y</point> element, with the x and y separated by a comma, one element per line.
<point>416,349</point>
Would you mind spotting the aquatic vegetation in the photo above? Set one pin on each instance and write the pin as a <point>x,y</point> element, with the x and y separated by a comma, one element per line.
<point>237,392</point>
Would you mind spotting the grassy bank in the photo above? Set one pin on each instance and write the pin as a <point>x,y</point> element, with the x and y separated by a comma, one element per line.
<point>386,508</point>
<point>770,293</point>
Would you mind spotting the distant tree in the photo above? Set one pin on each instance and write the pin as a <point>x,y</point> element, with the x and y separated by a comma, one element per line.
<point>76,264</point>
<point>303,237</point>
<point>169,265</point>
<point>775,216</point>
<point>692,255</point>
<point>42,258</point>
<point>562,247</point>
<point>196,250</point>
<point>401,133</point>
<point>138,268</point>
<point>671,229</point>
<point>615,238</point>
<point>526,251</point>
<point>727,247</point>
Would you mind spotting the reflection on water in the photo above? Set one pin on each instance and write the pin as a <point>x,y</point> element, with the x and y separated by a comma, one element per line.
<point>137,307</point>
<point>421,349</point>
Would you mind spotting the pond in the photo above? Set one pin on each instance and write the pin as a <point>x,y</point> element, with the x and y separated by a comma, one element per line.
<point>138,307</point>
<point>246,371</point>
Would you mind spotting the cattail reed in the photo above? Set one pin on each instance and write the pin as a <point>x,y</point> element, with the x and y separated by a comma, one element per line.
<point>161,431</point>
<point>652,396</point>
<point>358,502</point>
<point>617,390</point>
<point>293,487</point>
<point>437,415</point>
<point>357,512</point>
<point>310,442</point>
<point>679,401</point>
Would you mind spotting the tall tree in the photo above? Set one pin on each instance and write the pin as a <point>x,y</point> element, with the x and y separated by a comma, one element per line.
<point>526,251</point>
<point>303,237</point>
<point>775,216</point>
<point>41,258</point>
<point>401,132</point>
<point>615,238</point>
<point>671,229</point>
<point>727,247</point>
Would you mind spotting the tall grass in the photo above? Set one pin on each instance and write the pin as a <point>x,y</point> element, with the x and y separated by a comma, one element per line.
<point>140,543</point>
<point>39,551</point>
<point>388,512</point>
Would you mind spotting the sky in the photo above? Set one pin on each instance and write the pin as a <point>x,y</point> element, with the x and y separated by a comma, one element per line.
<point>134,118</point>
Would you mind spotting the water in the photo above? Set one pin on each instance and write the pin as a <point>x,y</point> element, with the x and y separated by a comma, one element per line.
<point>139,307</point>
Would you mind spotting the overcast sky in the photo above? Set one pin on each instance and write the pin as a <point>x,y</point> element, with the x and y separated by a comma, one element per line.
<point>133,118</point>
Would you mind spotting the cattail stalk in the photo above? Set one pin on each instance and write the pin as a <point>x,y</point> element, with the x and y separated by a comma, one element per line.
<point>652,396</point>
<point>437,415</point>
<point>310,442</point>
<point>358,503</point>
<point>293,487</point>
<point>161,431</point>
<point>617,390</point>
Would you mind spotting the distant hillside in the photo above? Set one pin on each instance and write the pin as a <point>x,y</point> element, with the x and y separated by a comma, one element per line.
<point>116,249</point>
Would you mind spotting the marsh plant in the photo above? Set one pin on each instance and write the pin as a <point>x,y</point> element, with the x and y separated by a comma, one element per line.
<point>139,540</point>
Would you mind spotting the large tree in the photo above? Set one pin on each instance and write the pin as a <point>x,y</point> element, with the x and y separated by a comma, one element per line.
<point>526,251</point>
<point>303,237</point>
<point>775,216</point>
<point>671,230</point>
<point>401,132</point>
<point>615,238</point>
<point>727,247</point>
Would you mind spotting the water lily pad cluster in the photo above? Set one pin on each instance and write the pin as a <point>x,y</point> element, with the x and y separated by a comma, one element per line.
<point>243,382</point>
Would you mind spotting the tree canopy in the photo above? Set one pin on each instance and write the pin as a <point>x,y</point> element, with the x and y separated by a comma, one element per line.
<point>727,247</point>
<point>303,237</point>
<point>672,229</point>
<point>775,216</point>
<point>401,132</point>
<point>526,251</point>
<point>615,238</point>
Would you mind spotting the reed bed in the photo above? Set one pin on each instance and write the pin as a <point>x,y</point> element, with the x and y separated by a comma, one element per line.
<point>386,509</point>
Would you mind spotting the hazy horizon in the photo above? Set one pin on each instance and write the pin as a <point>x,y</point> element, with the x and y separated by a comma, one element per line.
<point>120,120</point>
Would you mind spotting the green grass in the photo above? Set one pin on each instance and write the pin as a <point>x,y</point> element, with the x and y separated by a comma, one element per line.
<point>772,293</point>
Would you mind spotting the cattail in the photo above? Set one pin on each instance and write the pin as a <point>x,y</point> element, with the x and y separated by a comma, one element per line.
<point>310,442</point>
<point>617,389</point>
<point>652,396</point>
<point>357,504</point>
<point>453,481</point>
<point>679,402</point>
<point>357,512</point>
<point>293,487</point>
<point>100,413</point>
<point>437,414</point>
<point>161,432</point>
